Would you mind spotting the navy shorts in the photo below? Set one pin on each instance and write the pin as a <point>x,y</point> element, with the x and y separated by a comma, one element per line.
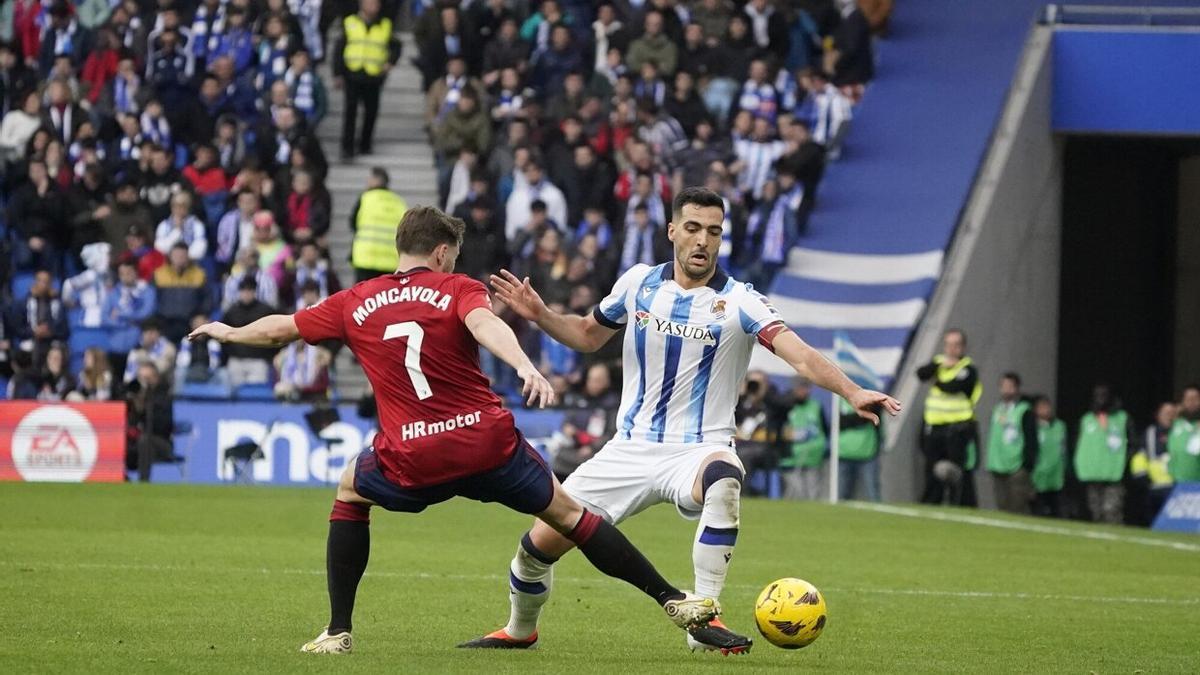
<point>523,483</point>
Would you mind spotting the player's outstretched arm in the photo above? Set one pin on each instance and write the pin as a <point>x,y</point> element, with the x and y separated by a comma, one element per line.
<point>581,333</point>
<point>813,365</point>
<point>496,337</point>
<point>270,331</point>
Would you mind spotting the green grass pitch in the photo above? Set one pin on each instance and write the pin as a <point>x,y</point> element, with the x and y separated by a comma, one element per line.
<point>136,578</point>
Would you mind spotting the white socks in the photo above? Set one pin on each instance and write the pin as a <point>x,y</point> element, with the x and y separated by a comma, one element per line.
<point>715,536</point>
<point>530,577</point>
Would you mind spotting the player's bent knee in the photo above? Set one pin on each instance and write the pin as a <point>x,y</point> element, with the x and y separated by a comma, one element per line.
<point>720,470</point>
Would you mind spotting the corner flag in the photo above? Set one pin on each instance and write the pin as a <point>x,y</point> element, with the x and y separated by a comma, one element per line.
<point>851,361</point>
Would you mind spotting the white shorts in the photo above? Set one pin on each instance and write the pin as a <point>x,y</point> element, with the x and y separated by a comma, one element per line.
<point>626,477</point>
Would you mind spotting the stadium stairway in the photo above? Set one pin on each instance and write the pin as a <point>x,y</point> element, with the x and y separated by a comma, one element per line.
<point>401,147</point>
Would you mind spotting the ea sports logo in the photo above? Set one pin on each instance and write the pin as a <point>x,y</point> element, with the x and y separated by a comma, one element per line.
<point>54,443</point>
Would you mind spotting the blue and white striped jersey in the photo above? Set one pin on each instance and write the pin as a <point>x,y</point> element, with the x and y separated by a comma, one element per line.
<point>685,353</point>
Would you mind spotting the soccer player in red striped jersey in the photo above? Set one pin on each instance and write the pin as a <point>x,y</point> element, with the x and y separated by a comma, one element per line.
<point>443,432</point>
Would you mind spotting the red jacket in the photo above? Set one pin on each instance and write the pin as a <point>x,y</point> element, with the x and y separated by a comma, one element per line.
<point>208,181</point>
<point>99,68</point>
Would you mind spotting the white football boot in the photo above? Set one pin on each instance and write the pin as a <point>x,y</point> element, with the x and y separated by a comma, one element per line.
<point>692,610</point>
<point>325,643</point>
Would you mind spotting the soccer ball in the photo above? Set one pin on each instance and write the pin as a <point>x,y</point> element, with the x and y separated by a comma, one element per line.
<point>790,613</point>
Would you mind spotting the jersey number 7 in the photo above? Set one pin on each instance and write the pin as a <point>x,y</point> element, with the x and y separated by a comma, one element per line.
<point>412,360</point>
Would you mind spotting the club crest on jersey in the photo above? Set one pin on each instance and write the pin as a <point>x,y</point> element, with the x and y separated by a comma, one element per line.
<point>646,291</point>
<point>718,308</point>
<point>647,321</point>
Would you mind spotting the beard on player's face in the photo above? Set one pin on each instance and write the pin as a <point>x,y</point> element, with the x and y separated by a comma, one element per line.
<point>695,259</point>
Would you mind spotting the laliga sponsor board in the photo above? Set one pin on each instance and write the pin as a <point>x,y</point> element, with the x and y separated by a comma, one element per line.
<point>64,442</point>
<point>291,453</point>
<point>1181,513</point>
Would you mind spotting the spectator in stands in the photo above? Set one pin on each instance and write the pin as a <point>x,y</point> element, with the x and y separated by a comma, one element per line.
<point>303,373</point>
<point>1049,471</point>
<point>311,268</point>
<point>284,133</point>
<point>362,59</point>
<point>759,96</point>
<point>169,70</point>
<point>56,382</point>
<point>145,257</point>
<point>588,423</point>
<point>160,184</point>
<point>831,115</point>
<point>589,181</point>
<point>19,125</point>
<point>151,421</point>
<point>1012,446</point>
<point>567,102</point>
<point>87,291</point>
<point>306,89</point>
<point>309,208</point>
<point>950,437</point>
<point>15,80</point>
<point>131,301</point>
<point>756,157</point>
<point>153,348</point>
<point>94,382</point>
<point>684,105</point>
<point>653,45</point>
<point>712,16</point>
<point>444,92</point>
<point>235,230</point>
<point>644,242</point>
<point>200,361</point>
<point>274,254</point>
<point>448,39</point>
<point>550,66</point>
<point>537,28</point>
<point>693,163</point>
<point>506,51</point>
<point>35,211</point>
<point>25,382</point>
<point>181,227</point>
<point>756,436</point>
<point>63,37</point>
<point>182,292</point>
<point>661,132</point>
<point>1104,443</point>
<point>484,229</point>
<point>124,214</point>
<point>466,126</point>
<point>769,28</point>
<point>248,365</point>
<point>123,93</point>
<point>208,181</point>
<point>39,319</point>
<point>770,233</point>
<point>247,267</point>
<point>852,59</point>
<point>536,187</point>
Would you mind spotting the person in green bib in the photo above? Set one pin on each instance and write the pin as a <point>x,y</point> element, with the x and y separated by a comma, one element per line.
<point>1050,468</point>
<point>807,435</point>
<point>1012,446</point>
<point>1102,450</point>
<point>1183,444</point>
<point>858,454</point>
<point>949,436</point>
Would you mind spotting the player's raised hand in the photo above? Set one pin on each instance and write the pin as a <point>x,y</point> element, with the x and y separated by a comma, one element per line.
<point>537,389</point>
<point>519,295</point>
<point>867,403</point>
<point>215,330</point>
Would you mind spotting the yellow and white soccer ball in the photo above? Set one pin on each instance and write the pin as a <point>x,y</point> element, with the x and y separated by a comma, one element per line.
<point>790,613</point>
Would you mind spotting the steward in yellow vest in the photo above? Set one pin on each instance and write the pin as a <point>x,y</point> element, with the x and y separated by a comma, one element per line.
<point>950,436</point>
<point>362,59</point>
<point>374,220</point>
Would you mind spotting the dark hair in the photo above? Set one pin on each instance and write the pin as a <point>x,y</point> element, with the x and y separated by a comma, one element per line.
<point>310,285</point>
<point>696,196</point>
<point>151,323</point>
<point>381,175</point>
<point>424,228</point>
<point>1010,375</point>
<point>179,245</point>
<point>248,283</point>
<point>1189,386</point>
<point>1038,398</point>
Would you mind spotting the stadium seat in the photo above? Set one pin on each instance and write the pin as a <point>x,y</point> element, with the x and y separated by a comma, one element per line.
<point>183,439</point>
<point>82,339</point>
<point>205,391</point>
<point>20,285</point>
<point>263,393</point>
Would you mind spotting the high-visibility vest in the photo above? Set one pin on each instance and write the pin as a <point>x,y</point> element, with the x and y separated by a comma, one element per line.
<point>1183,444</point>
<point>858,443</point>
<point>946,408</point>
<point>808,436</point>
<point>1050,469</point>
<point>379,214</point>
<point>1100,450</point>
<point>1154,469</point>
<point>366,47</point>
<point>1006,438</point>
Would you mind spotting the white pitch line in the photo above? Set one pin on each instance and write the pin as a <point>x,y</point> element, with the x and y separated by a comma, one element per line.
<point>918,592</point>
<point>1023,526</point>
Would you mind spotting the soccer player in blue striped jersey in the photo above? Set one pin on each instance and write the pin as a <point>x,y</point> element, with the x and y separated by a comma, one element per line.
<point>690,329</point>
